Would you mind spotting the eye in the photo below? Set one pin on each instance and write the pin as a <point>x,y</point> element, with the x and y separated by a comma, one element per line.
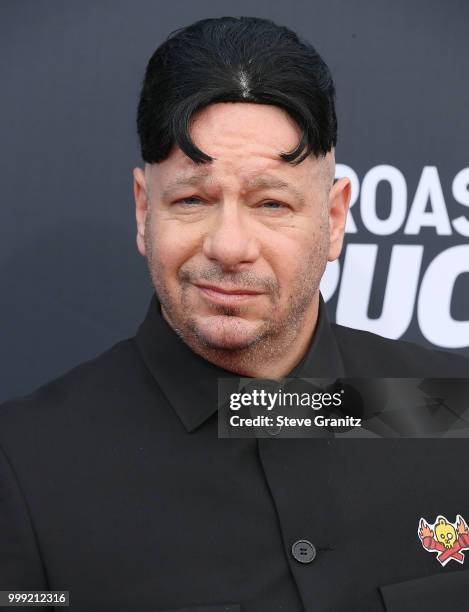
<point>190,201</point>
<point>273,205</point>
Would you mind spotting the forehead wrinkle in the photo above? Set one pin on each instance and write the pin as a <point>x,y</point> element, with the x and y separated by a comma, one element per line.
<point>257,182</point>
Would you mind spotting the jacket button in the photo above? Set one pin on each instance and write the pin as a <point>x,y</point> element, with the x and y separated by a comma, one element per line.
<point>303,551</point>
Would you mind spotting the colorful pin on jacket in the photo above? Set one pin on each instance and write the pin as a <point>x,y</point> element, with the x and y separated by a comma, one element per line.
<point>447,539</point>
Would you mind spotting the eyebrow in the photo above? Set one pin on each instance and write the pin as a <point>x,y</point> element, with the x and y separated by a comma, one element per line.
<point>257,182</point>
<point>270,182</point>
<point>186,181</point>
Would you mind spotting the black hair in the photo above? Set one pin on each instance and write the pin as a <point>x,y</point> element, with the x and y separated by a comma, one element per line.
<point>234,59</point>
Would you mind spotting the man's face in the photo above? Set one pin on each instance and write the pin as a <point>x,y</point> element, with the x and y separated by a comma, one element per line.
<point>236,247</point>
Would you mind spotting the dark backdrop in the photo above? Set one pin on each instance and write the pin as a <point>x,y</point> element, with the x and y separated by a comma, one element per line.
<point>72,282</point>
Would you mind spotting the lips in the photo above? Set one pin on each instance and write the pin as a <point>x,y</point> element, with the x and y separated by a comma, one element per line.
<point>228,290</point>
<point>227,295</point>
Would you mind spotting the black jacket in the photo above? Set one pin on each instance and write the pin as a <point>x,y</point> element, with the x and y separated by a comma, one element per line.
<point>115,486</point>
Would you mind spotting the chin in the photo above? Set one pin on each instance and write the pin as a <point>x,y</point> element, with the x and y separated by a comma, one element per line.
<point>226,333</point>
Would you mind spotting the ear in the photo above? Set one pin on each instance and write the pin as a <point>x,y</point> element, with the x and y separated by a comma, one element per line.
<point>339,200</point>
<point>141,207</point>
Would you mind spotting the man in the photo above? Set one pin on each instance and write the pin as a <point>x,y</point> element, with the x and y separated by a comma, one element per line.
<point>114,483</point>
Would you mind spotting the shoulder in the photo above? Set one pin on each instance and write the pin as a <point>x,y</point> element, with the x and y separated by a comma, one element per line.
<point>82,393</point>
<point>367,354</point>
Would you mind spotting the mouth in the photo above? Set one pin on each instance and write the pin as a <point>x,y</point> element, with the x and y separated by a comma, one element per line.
<point>227,295</point>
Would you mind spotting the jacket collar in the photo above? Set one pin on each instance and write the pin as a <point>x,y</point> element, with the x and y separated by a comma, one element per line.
<point>190,382</point>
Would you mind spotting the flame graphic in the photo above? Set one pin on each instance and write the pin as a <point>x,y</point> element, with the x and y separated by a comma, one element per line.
<point>425,530</point>
<point>461,526</point>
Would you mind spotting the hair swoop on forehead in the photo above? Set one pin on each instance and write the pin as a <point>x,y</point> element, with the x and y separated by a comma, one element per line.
<point>234,59</point>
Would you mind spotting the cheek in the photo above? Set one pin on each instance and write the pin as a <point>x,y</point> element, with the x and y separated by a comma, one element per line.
<point>290,252</point>
<point>173,245</point>
<point>282,254</point>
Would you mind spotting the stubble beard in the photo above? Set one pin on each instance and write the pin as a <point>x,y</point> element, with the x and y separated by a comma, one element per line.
<point>276,334</point>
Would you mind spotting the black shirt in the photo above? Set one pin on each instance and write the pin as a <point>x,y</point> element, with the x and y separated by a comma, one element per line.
<point>115,486</point>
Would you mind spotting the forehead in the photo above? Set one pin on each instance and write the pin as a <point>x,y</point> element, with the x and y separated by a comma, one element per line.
<point>263,128</point>
<point>237,132</point>
<point>245,141</point>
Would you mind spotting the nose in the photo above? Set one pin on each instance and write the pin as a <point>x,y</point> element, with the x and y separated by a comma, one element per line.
<point>230,240</point>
